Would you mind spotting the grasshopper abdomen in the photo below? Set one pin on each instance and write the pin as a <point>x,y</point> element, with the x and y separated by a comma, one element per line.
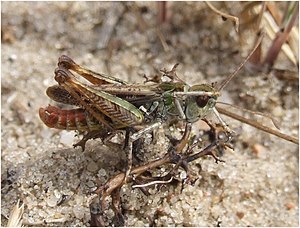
<point>73,119</point>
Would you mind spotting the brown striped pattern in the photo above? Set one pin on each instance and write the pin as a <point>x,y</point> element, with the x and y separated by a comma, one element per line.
<point>112,110</point>
<point>59,94</point>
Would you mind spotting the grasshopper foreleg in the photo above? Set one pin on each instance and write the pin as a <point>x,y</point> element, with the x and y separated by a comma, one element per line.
<point>179,108</point>
<point>224,125</point>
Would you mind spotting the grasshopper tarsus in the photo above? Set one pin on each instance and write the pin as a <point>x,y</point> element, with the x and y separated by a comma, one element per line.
<point>217,160</point>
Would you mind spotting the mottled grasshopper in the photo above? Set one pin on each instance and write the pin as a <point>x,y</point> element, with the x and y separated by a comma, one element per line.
<point>109,104</point>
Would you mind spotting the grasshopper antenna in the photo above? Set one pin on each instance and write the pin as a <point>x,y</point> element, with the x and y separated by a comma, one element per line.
<point>258,125</point>
<point>227,80</point>
<point>274,121</point>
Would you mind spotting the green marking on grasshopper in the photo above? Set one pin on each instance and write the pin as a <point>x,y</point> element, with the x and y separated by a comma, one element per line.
<point>198,107</point>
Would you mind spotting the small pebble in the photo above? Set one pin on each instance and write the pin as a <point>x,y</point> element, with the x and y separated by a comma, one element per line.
<point>240,214</point>
<point>57,194</point>
<point>289,206</point>
<point>277,111</point>
<point>52,200</point>
<point>259,150</point>
<point>67,138</point>
<point>90,184</point>
<point>183,175</point>
<point>92,166</point>
<point>13,57</point>
<point>101,173</point>
<point>78,212</point>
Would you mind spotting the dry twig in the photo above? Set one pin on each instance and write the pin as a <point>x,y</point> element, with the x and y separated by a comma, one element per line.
<point>225,15</point>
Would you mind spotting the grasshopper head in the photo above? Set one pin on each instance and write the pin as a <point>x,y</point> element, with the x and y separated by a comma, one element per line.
<point>197,107</point>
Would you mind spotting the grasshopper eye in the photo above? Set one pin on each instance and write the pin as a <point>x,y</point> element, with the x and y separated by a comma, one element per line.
<point>205,101</point>
<point>202,101</point>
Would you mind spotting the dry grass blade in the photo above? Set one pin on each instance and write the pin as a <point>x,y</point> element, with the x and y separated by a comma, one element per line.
<point>286,75</point>
<point>267,16</point>
<point>281,38</point>
<point>225,15</point>
<point>15,217</point>
<point>271,29</point>
<point>261,14</point>
<point>109,26</point>
<point>248,18</point>
<point>256,57</point>
<point>162,12</point>
<point>162,40</point>
<point>274,11</point>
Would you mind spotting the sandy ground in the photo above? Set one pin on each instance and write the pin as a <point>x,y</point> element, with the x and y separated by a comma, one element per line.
<point>257,186</point>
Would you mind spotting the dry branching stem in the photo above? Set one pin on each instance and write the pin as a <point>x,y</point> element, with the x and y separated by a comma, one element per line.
<point>172,157</point>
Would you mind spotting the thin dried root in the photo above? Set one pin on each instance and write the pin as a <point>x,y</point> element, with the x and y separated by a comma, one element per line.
<point>152,183</point>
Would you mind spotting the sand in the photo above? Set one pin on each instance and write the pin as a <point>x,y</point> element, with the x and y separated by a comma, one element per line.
<point>256,186</point>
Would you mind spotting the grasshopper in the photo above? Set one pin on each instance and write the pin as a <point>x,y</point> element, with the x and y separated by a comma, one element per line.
<point>109,104</point>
